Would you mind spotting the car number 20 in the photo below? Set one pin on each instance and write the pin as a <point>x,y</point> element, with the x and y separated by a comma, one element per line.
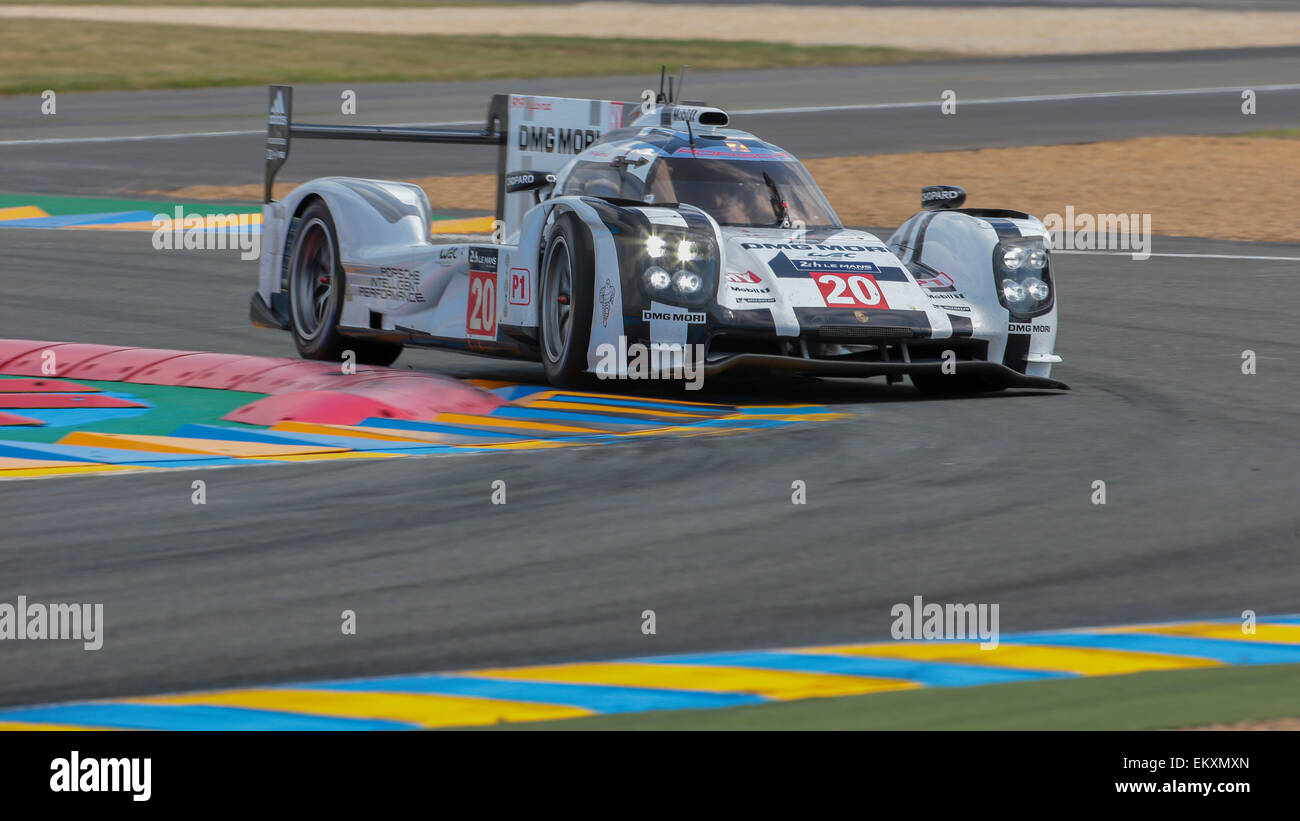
<point>481,307</point>
<point>850,290</point>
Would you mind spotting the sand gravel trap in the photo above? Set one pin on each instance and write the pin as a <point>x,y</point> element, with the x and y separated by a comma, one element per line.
<point>1226,187</point>
<point>984,31</point>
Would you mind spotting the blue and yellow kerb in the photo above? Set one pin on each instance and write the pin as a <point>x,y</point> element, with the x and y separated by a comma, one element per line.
<point>697,681</point>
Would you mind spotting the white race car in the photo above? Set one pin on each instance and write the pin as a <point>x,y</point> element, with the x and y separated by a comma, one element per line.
<point>656,225</point>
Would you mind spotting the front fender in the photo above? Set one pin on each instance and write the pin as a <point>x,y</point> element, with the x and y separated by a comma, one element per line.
<point>951,254</point>
<point>618,234</point>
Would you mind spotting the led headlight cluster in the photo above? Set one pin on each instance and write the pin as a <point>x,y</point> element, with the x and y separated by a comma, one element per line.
<point>1022,273</point>
<point>680,267</point>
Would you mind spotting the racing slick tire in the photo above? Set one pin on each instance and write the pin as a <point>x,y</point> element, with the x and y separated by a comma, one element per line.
<point>316,286</point>
<point>568,274</point>
<point>952,384</point>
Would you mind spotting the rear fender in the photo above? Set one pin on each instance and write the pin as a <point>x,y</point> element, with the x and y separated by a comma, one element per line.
<point>371,217</point>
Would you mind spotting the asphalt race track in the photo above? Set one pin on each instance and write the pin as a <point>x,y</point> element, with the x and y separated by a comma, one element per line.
<point>869,110</point>
<point>964,500</point>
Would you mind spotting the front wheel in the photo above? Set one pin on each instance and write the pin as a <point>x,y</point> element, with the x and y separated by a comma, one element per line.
<point>316,287</point>
<point>566,302</point>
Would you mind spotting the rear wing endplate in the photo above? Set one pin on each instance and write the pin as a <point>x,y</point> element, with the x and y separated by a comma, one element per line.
<point>281,130</point>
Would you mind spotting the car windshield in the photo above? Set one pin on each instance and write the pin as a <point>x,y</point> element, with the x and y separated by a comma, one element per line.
<point>743,192</point>
<point>751,193</point>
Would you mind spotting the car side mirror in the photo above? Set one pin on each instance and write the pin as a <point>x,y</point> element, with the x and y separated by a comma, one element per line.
<point>942,197</point>
<point>527,181</point>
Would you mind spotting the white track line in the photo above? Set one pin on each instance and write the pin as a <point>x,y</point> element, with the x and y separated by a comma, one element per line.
<point>1042,98</point>
<point>755,111</point>
<point>1183,256</point>
<point>129,139</point>
<point>200,134</point>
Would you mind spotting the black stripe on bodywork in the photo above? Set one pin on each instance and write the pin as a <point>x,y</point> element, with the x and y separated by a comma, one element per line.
<point>755,321</point>
<point>961,325</point>
<point>1016,355</point>
<point>810,319</point>
<point>1004,227</point>
<point>629,227</point>
<point>920,234</point>
<point>696,220</point>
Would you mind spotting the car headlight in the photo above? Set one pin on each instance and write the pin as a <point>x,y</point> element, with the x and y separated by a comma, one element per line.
<point>1013,292</point>
<point>657,279</point>
<point>1013,257</point>
<point>679,265</point>
<point>1022,272</point>
<point>687,283</point>
<point>1037,289</point>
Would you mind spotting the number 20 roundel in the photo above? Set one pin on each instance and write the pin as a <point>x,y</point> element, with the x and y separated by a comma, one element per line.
<point>481,315</point>
<point>841,290</point>
<point>481,304</point>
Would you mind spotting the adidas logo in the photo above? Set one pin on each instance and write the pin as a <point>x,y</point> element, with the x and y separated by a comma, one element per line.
<point>279,113</point>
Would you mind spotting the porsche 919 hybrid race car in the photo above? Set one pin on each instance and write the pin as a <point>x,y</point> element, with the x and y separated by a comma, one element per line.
<point>651,224</point>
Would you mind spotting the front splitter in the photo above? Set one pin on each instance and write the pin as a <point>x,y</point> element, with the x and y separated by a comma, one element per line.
<point>994,373</point>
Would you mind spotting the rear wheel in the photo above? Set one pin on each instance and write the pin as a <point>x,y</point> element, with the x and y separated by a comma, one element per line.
<point>316,288</point>
<point>566,302</point>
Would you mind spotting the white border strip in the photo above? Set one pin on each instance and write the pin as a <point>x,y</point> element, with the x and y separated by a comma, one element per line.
<point>1183,256</point>
<point>756,111</point>
<point>200,134</point>
<point>1041,98</point>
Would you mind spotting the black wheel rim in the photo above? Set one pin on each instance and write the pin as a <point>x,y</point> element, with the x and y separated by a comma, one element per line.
<point>313,280</point>
<point>557,301</point>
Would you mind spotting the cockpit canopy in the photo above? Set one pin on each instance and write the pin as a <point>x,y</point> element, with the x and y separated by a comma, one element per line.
<point>737,183</point>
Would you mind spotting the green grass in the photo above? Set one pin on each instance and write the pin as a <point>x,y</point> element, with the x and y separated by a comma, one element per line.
<point>1283,133</point>
<point>269,3</point>
<point>67,206</point>
<point>1143,701</point>
<point>90,56</point>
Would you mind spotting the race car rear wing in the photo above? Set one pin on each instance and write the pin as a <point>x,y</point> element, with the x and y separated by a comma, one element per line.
<point>531,133</point>
<point>281,130</point>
